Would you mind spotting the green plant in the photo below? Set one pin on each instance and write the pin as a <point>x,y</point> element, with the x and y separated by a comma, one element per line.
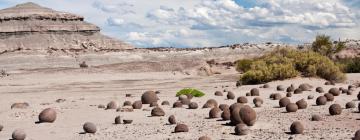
<point>243,65</point>
<point>324,46</point>
<point>192,91</point>
<point>349,65</point>
<point>283,63</point>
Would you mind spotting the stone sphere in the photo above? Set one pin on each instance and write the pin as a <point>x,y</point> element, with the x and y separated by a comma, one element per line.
<point>89,127</point>
<point>157,111</point>
<point>230,95</point>
<point>305,87</point>
<point>296,128</point>
<point>177,105</point>
<point>291,107</point>
<point>218,93</point>
<point>334,91</point>
<point>350,105</point>
<point>289,94</point>
<point>276,96</point>
<point>311,97</point>
<point>172,119</point>
<point>290,89</point>
<point>241,129</point>
<point>193,105</point>
<point>112,105</point>
<point>298,91</point>
<point>181,128</point>
<point>302,104</point>
<point>165,103</point>
<point>210,103</point>
<point>225,115</point>
<point>149,97</point>
<point>18,134</point>
<point>127,103</point>
<point>321,100</point>
<point>316,118</point>
<point>280,88</point>
<point>242,99</point>
<point>319,90</point>
<point>283,102</point>
<point>117,120</point>
<point>204,138</point>
<point>224,106</point>
<point>266,86</point>
<point>215,113</point>
<point>153,104</point>
<point>254,92</point>
<point>47,115</point>
<point>137,105</point>
<point>248,115</point>
<point>258,99</point>
<point>329,97</point>
<point>335,109</point>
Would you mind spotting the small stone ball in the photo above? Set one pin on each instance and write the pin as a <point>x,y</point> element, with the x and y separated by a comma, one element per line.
<point>18,134</point>
<point>157,111</point>
<point>165,103</point>
<point>127,103</point>
<point>291,107</point>
<point>319,90</point>
<point>112,105</point>
<point>177,105</point>
<point>225,115</point>
<point>254,92</point>
<point>302,104</point>
<point>335,109</point>
<point>350,105</point>
<point>276,96</point>
<point>193,105</point>
<point>230,95</point>
<point>334,91</point>
<point>321,100</point>
<point>210,103</point>
<point>215,113</point>
<point>149,97</point>
<point>258,104</point>
<point>311,97</point>
<point>329,97</point>
<point>316,118</point>
<point>242,99</point>
<point>181,128</point>
<point>89,127</point>
<point>241,129</point>
<point>204,138</point>
<point>218,93</point>
<point>117,120</point>
<point>280,88</point>
<point>47,115</point>
<point>283,102</point>
<point>137,105</point>
<point>224,106</point>
<point>266,86</point>
<point>172,119</point>
<point>298,91</point>
<point>296,128</point>
<point>289,94</point>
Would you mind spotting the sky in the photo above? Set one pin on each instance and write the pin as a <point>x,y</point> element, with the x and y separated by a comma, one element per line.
<point>206,23</point>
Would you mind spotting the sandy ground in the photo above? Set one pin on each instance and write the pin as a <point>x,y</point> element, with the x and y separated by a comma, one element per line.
<point>84,89</point>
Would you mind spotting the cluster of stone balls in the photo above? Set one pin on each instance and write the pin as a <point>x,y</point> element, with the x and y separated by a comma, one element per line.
<point>240,115</point>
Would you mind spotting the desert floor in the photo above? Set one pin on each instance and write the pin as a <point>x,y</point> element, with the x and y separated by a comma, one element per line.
<point>85,89</point>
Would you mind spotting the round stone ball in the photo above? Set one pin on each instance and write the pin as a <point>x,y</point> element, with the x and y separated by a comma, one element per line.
<point>316,118</point>
<point>302,104</point>
<point>230,95</point>
<point>218,93</point>
<point>137,105</point>
<point>48,115</point>
<point>89,127</point>
<point>283,102</point>
<point>350,105</point>
<point>329,97</point>
<point>335,109</point>
<point>181,128</point>
<point>112,105</point>
<point>157,111</point>
<point>334,91</point>
<point>241,129</point>
<point>193,105</point>
<point>215,113</point>
<point>18,134</point>
<point>296,128</point>
<point>148,97</point>
<point>242,100</point>
<point>319,90</point>
<point>291,107</point>
<point>172,119</point>
<point>254,92</point>
<point>321,100</point>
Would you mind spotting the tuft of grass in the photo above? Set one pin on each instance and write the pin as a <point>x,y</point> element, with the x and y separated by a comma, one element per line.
<point>284,63</point>
<point>192,91</point>
<point>349,65</point>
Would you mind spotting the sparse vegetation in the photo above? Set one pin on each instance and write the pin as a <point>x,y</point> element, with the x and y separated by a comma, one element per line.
<point>349,65</point>
<point>192,91</point>
<point>284,63</point>
<point>325,46</point>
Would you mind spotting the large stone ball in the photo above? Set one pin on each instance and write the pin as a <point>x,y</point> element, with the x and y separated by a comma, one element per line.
<point>149,97</point>
<point>181,128</point>
<point>302,104</point>
<point>291,107</point>
<point>157,111</point>
<point>230,95</point>
<point>137,105</point>
<point>248,115</point>
<point>225,115</point>
<point>89,127</point>
<point>241,129</point>
<point>172,119</point>
<point>296,128</point>
<point>329,97</point>
<point>112,105</point>
<point>334,91</point>
<point>321,100</point>
<point>210,103</point>
<point>18,134</point>
<point>335,109</point>
<point>284,101</point>
<point>254,92</point>
<point>215,113</point>
<point>242,99</point>
<point>47,115</point>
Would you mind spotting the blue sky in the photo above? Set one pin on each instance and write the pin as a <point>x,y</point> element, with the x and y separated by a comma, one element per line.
<point>200,23</point>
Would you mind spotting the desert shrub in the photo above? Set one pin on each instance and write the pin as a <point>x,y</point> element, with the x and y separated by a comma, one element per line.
<point>349,65</point>
<point>324,45</point>
<point>192,91</point>
<point>284,63</point>
<point>243,65</point>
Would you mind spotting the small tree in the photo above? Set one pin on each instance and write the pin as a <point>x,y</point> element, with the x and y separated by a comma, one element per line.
<point>324,46</point>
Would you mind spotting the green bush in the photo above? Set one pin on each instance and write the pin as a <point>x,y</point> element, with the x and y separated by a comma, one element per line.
<point>192,91</point>
<point>243,65</point>
<point>324,45</point>
<point>349,65</point>
<point>283,63</point>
